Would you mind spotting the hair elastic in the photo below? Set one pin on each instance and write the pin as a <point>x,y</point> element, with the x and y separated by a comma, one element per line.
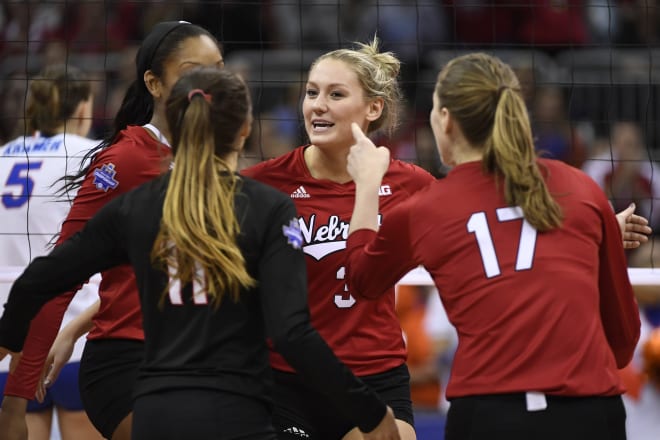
<point>200,92</point>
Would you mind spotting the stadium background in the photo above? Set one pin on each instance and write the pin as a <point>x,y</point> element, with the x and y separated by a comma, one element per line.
<point>585,66</point>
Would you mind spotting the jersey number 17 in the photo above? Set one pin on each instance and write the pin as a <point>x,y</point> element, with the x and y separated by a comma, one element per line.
<point>478,225</point>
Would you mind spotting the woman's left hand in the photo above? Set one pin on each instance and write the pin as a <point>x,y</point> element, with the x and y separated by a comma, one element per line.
<point>635,229</point>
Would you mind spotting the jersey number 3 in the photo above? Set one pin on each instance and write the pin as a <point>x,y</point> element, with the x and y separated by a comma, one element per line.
<point>20,176</point>
<point>478,225</point>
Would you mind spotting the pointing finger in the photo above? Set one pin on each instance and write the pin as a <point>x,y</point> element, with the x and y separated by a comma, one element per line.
<point>358,134</point>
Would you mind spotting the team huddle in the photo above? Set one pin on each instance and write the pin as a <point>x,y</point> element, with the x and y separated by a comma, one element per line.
<point>258,303</point>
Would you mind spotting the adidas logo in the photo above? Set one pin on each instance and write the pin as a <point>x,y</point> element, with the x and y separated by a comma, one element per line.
<point>300,193</point>
<point>296,431</point>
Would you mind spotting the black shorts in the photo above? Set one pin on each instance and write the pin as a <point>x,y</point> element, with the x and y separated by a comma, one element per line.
<point>505,417</point>
<point>303,413</point>
<point>201,414</point>
<point>108,372</point>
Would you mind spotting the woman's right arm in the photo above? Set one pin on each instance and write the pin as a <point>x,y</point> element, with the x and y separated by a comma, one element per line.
<point>618,308</point>
<point>283,281</point>
<point>91,197</point>
<point>387,252</point>
<point>111,175</point>
<point>62,348</point>
<point>24,381</point>
<point>99,246</point>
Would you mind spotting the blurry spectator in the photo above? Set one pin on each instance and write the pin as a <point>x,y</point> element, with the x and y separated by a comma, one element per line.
<point>555,135</point>
<point>25,25</point>
<point>444,337</point>
<point>409,28</point>
<point>423,357</point>
<point>403,142</point>
<point>117,83</point>
<point>602,18</point>
<point>638,22</point>
<point>13,98</point>
<point>626,173</point>
<point>527,75</point>
<point>642,380</point>
<point>317,24</point>
<point>481,22</point>
<point>241,25</point>
<point>101,118</point>
<point>428,156</point>
<point>266,141</point>
<point>156,11</point>
<point>54,52</point>
<point>413,141</point>
<point>94,26</point>
<point>552,25</point>
<point>285,115</point>
<point>278,128</point>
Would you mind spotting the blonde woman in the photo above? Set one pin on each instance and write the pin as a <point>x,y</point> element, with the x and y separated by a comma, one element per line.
<point>219,268</point>
<point>526,254</point>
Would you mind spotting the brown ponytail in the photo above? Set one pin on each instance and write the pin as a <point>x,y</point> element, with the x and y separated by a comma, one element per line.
<point>199,230</point>
<point>483,95</point>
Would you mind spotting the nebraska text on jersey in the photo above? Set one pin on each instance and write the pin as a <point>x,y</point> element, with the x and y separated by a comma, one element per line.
<point>104,177</point>
<point>325,239</point>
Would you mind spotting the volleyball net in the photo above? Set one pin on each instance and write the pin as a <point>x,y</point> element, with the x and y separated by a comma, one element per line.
<point>590,71</point>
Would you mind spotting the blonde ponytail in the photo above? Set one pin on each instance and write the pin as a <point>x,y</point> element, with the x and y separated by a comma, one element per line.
<point>511,153</point>
<point>199,229</point>
<point>483,95</point>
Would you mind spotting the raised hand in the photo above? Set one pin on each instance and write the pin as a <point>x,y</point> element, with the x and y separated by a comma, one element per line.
<point>366,162</point>
<point>635,229</point>
<point>59,355</point>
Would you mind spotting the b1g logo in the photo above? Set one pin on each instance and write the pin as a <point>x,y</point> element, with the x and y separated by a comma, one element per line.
<point>385,190</point>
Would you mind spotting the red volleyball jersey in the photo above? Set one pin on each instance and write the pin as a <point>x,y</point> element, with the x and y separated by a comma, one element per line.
<point>135,158</point>
<point>364,334</point>
<point>535,311</point>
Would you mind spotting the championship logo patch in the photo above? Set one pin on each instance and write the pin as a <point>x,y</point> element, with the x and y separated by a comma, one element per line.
<point>104,177</point>
<point>293,234</point>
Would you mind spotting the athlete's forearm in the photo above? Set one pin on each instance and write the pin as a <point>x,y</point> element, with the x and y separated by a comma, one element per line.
<point>43,331</point>
<point>365,211</point>
<point>82,323</point>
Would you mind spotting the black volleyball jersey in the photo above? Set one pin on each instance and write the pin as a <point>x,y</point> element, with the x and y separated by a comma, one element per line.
<point>189,343</point>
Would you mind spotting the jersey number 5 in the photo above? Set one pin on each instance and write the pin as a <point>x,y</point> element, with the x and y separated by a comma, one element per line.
<point>20,176</point>
<point>478,225</point>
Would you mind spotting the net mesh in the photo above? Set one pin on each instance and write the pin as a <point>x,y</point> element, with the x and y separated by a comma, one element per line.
<point>589,71</point>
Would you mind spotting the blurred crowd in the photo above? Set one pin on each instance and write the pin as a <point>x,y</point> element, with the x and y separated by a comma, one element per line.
<point>95,25</point>
<point>104,36</point>
<point>619,154</point>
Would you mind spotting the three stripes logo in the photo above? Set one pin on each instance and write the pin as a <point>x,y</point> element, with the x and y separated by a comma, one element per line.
<point>300,193</point>
<point>297,432</point>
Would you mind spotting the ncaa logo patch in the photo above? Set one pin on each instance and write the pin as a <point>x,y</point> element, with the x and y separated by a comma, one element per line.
<point>293,234</point>
<point>104,177</point>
